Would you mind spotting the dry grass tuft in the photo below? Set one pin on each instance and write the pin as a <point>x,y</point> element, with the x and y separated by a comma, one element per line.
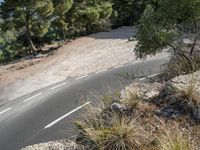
<point>132,100</point>
<point>182,64</point>
<point>108,98</point>
<point>174,138</point>
<point>191,96</point>
<point>106,131</point>
<point>177,142</point>
<point>122,135</point>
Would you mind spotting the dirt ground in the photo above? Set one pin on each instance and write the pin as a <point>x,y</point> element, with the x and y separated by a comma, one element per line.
<point>82,56</point>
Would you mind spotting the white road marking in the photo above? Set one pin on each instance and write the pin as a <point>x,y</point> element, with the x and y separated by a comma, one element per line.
<point>66,115</point>
<point>101,71</point>
<point>153,75</point>
<point>5,110</point>
<point>82,77</point>
<point>57,86</point>
<point>32,97</point>
<point>142,79</point>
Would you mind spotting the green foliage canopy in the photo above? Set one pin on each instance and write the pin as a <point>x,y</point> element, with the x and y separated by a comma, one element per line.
<point>160,24</point>
<point>87,15</point>
<point>61,8</point>
<point>128,11</point>
<point>29,16</point>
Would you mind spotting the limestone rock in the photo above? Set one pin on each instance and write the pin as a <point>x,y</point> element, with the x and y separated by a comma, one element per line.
<point>143,90</point>
<point>55,145</point>
<point>118,107</point>
<point>182,82</point>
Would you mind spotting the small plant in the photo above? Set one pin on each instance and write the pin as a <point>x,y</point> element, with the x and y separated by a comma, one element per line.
<point>175,143</point>
<point>105,131</point>
<point>191,98</point>
<point>175,139</point>
<point>191,95</point>
<point>123,135</point>
<point>181,65</point>
<point>110,97</point>
<point>132,100</point>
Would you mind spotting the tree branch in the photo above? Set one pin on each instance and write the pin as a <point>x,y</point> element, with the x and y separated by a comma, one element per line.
<point>173,47</point>
<point>193,46</point>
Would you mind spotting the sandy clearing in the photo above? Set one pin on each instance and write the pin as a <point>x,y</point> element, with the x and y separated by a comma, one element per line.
<point>82,56</point>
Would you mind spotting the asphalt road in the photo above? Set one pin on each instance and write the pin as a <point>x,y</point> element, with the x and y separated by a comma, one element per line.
<point>48,114</point>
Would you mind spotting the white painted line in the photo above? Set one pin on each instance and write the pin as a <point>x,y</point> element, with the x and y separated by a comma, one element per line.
<point>101,71</point>
<point>32,97</point>
<point>5,110</point>
<point>153,75</point>
<point>142,79</point>
<point>82,77</point>
<point>66,115</point>
<point>57,86</point>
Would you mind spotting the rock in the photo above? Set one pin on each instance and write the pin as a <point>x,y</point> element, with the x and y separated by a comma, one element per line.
<point>123,94</point>
<point>168,112</point>
<point>196,113</point>
<point>55,145</point>
<point>143,90</point>
<point>118,107</point>
<point>183,81</point>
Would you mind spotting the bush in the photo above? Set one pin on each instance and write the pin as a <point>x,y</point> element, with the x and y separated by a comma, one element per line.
<point>111,133</point>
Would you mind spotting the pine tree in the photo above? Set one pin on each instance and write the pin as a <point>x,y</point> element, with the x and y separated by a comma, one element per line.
<point>128,11</point>
<point>61,8</point>
<point>29,16</point>
<point>89,15</point>
<point>163,25</point>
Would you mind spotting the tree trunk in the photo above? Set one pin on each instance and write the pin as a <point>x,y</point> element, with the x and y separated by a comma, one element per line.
<point>193,46</point>
<point>88,29</point>
<point>30,42</point>
<point>63,32</point>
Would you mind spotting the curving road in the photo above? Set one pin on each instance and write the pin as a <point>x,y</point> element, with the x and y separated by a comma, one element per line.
<point>48,114</point>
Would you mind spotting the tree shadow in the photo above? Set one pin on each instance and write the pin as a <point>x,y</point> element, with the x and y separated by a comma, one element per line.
<point>121,33</point>
<point>40,53</point>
